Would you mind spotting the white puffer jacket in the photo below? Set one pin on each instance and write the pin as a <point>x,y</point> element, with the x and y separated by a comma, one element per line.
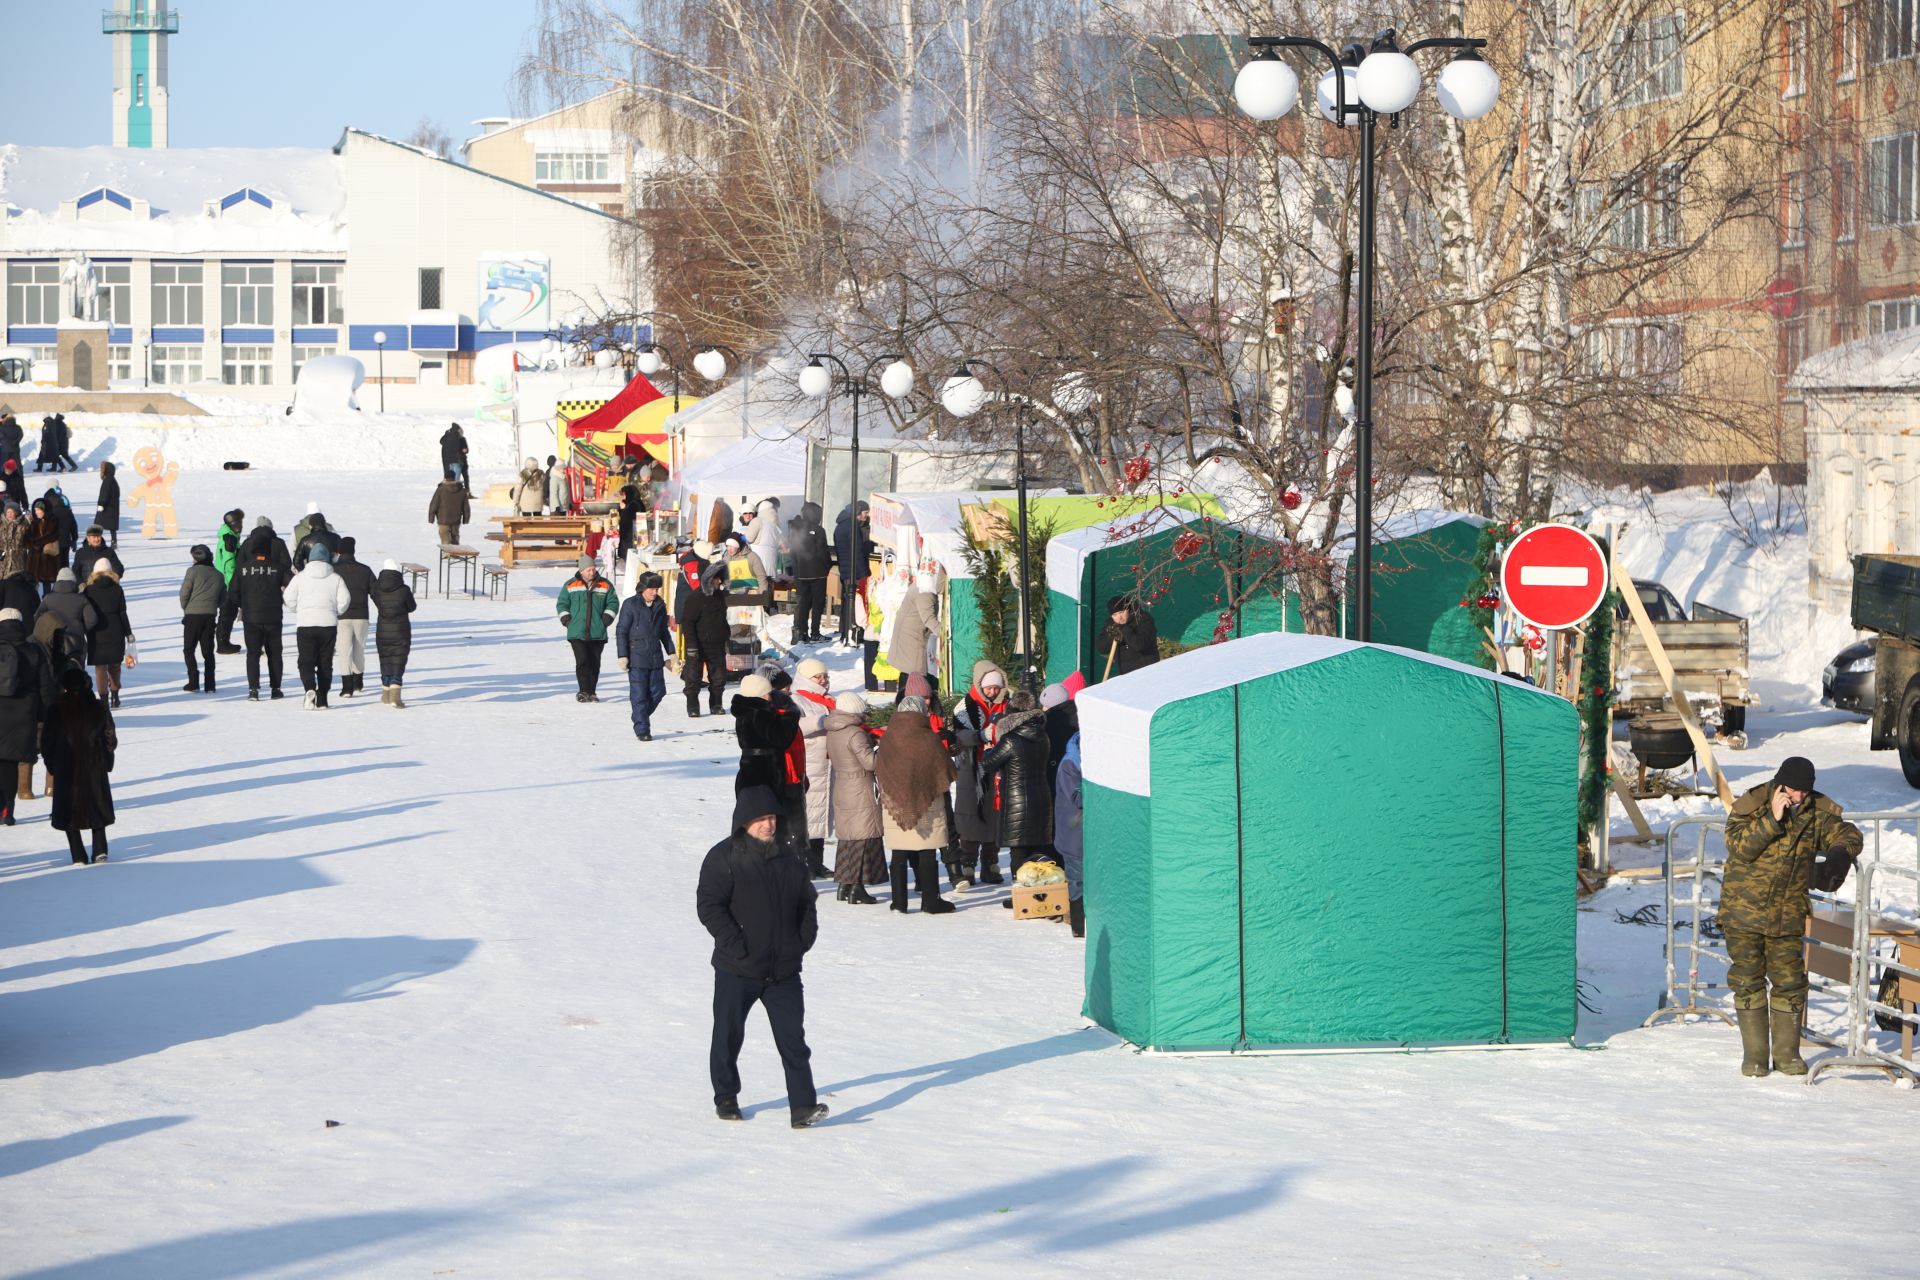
<point>317,596</point>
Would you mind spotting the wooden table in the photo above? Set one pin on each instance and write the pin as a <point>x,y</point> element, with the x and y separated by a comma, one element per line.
<point>549,539</point>
<point>452,554</point>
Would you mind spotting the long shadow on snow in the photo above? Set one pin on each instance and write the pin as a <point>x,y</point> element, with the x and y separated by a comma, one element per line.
<point>226,1255</point>
<point>118,1017</point>
<point>133,848</point>
<point>132,718</point>
<point>105,959</point>
<point>232,785</point>
<point>1065,1211</point>
<point>200,771</point>
<point>37,1153</point>
<point>960,1070</point>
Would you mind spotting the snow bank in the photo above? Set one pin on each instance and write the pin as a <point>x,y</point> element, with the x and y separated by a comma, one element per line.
<point>281,442</point>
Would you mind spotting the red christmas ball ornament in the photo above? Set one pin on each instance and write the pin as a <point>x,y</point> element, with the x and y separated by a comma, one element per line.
<point>1290,499</point>
<point>1187,544</point>
<point>1136,471</point>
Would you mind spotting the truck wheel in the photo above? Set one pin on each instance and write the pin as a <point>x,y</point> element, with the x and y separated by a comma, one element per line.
<point>1733,720</point>
<point>1906,732</point>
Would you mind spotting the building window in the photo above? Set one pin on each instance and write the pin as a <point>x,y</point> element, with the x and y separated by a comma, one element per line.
<point>1846,201</point>
<point>177,366</point>
<point>1889,317</point>
<point>1627,222</point>
<point>1793,346</point>
<point>1846,42</point>
<point>430,278</point>
<point>1793,209</point>
<point>1647,355</point>
<point>119,364</point>
<point>139,89</point>
<point>1667,183</point>
<point>176,293</point>
<point>1651,64</point>
<point>1893,179</point>
<point>33,292</point>
<point>572,166</point>
<point>116,291</point>
<point>316,293</point>
<point>1893,29</point>
<point>246,366</point>
<point>1794,77</point>
<point>246,293</point>
<point>303,354</point>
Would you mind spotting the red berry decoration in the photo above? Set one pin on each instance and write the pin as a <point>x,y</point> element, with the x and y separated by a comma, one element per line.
<point>1187,544</point>
<point>1136,471</point>
<point>1290,499</point>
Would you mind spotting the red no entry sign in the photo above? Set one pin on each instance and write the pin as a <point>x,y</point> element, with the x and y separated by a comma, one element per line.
<point>1553,576</point>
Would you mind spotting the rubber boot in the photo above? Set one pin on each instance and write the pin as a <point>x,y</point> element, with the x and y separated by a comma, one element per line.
<point>816,851</point>
<point>899,873</point>
<point>1786,1041</point>
<point>1753,1042</point>
<point>930,900</point>
<point>25,790</point>
<point>1077,916</point>
<point>857,894</point>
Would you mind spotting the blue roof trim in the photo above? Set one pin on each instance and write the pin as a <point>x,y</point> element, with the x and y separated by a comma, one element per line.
<point>250,334</point>
<point>120,335</point>
<point>32,333</point>
<point>315,337</point>
<point>108,194</point>
<point>242,195</point>
<point>434,337</point>
<point>183,335</point>
<point>360,337</point>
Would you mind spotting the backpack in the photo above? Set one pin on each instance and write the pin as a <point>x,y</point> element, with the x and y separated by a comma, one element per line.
<point>13,671</point>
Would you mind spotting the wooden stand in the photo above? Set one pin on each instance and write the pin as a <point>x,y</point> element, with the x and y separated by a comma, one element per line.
<point>541,539</point>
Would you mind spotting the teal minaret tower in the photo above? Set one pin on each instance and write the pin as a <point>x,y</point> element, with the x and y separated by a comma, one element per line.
<point>140,29</point>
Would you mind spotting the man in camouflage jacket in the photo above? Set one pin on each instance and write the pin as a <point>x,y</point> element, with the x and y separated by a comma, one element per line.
<point>1774,834</point>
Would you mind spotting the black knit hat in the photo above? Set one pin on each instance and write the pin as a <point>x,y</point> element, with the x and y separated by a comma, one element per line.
<point>1795,772</point>
<point>753,804</point>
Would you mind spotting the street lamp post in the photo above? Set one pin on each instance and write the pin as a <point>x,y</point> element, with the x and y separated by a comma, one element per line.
<point>896,382</point>
<point>1366,84</point>
<point>380,346</point>
<point>146,361</point>
<point>963,396</point>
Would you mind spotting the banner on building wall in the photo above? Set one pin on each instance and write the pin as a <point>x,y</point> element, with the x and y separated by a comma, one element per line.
<point>516,292</point>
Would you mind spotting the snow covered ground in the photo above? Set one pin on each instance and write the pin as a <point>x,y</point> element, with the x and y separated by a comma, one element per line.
<point>465,932</point>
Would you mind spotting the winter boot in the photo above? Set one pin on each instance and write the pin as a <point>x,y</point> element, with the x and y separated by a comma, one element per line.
<point>713,705</point>
<point>816,851</point>
<point>930,900</point>
<point>693,707</point>
<point>191,686</point>
<point>25,790</point>
<point>209,685</point>
<point>807,1117</point>
<point>396,697</point>
<point>1786,1040</point>
<point>990,865</point>
<point>858,895</point>
<point>1753,1042</point>
<point>899,869</point>
<point>957,877</point>
<point>1077,916</point>
<point>728,1110</point>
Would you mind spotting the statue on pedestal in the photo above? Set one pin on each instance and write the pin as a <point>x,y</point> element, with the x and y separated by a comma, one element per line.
<point>81,285</point>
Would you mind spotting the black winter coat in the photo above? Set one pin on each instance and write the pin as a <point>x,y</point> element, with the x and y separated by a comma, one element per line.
<point>764,733</point>
<point>693,568</point>
<point>18,592</point>
<point>320,533</point>
<point>107,510</point>
<point>758,904</point>
<point>80,742</point>
<point>453,449</point>
<point>392,601</point>
<point>844,551</point>
<point>34,691</point>
<point>641,635</point>
<point>359,580</point>
<point>107,639</point>
<point>260,574</point>
<point>1024,794</point>
<point>1139,643</point>
<point>62,513</point>
<point>1063,722</point>
<point>11,434</point>
<point>807,543</point>
<point>86,557</point>
<point>705,624</point>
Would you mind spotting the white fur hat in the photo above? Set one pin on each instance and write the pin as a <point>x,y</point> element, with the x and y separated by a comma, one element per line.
<point>809,668</point>
<point>388,564</point>
<point>755,686</point>
<point>851,702</point>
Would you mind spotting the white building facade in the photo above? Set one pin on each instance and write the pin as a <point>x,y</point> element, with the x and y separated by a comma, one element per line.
<point>236,266</point>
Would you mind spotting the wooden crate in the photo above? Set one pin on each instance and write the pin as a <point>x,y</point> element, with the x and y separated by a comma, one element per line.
<point>1039,902</point>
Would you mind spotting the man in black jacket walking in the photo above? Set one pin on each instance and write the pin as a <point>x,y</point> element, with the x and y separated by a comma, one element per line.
<point>756,901</point>
<point>812,557</point>
<point>261,573</point>
<point>350,640</point>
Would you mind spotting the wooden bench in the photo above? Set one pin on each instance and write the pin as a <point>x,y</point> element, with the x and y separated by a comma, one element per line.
<point>495,576</point>
<point>549,539</point>
<point>415,574</point>
<point>466,558</point>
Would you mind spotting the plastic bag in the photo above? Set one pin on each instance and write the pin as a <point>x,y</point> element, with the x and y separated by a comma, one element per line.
<point>1038,872</point>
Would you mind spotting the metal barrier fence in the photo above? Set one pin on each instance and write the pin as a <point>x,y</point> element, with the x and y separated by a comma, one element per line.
<point>1689,994</point>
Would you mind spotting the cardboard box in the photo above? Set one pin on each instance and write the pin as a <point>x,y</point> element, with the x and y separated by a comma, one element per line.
<point>1039,902</point>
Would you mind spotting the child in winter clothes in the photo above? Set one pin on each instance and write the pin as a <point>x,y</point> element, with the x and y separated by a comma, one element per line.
<point>392,601</point>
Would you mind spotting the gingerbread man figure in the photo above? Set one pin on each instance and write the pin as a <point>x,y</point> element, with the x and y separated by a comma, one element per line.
<point>155,492</point>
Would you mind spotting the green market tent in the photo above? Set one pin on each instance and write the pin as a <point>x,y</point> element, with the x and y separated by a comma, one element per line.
<point>1295,841</point>
<point>1065,512</point>
<point>1422,568</point>
<point>1087,567</point>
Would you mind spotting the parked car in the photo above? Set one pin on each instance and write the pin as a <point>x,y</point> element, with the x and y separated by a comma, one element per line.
<point>1847,683</point>
<point>1661,604</point>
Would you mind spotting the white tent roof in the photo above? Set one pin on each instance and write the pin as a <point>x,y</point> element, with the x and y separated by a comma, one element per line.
<point>1116,716</point>
<point>757,468</point>
<point>1067,552</point>
<point>941,526</point>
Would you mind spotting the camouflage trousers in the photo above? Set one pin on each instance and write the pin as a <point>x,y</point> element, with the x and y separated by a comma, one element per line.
<point>1759,959</point>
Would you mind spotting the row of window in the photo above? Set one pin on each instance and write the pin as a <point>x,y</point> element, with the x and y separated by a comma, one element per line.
<point>179,290</point>
<point>180,365</point>
<point>572,166</point>
<point>1892,30</point>
<point>1893,192</point>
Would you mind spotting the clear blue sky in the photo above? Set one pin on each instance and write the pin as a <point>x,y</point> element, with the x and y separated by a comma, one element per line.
<point>268,73</point>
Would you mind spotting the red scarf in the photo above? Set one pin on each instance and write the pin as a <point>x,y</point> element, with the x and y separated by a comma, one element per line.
<point>817,699</point>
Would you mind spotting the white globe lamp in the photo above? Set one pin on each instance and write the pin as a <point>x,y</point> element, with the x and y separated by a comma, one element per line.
<point>896,380</point>
<point>649,362</point>
<point>1467,87</point>
<point>1388,80</point>
<point>710,364</point>
<point>815,380</point>
<point>963,395</point>
<point>1266,88</point>
<point>1324,94</point>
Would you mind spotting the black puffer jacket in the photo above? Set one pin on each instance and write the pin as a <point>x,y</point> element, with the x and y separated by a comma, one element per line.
<point>107,640</point>
<point>359,580</point>
<point>705,621</point>
<point>318,531</point>
<point>260,573</point>
<point>1139,640</point>
<point>807,543</point>
<point>764,732</point>
<point>392,601</point>
<point>30,677</point>
<point>1019,759</point>
<point>758,904</point>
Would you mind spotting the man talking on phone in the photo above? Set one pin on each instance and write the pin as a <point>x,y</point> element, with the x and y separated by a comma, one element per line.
<point>1776,834</point>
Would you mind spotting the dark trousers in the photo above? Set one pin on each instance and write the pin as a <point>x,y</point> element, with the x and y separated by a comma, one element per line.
<point>586,663</point>
<point>785,1003</point>
<point>871,650</point>
<point>809,606</point>
<point>315,647</point>
<point>393,668</point>
<point>197,637</point>
<point>262,637</point>
<point>646,689</point>
<point>1020,855</point>
<point>10,770</point>
<point>99,845</point>
<point>228,613</point>
<point>702,666</point>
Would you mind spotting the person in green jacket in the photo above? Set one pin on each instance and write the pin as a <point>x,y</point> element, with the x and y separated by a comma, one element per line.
<point>587,607</point>
<point>226,550</point>
<point>1775,834</point>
